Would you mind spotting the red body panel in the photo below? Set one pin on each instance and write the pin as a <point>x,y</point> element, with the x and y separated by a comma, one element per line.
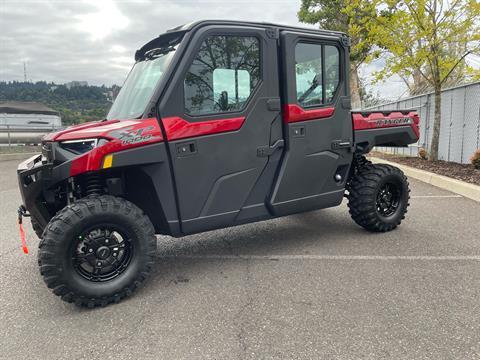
<point>177,128</point>
<point>123,135</point>
<point>75,131</point>
<point>128,134</point>
<point>294,113</point>
<point>375,120</point>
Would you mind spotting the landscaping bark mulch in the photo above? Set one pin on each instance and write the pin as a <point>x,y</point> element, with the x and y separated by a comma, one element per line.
<point>463,172</point>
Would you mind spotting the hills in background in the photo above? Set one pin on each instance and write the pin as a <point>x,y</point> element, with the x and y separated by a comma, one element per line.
<point>76,101</point>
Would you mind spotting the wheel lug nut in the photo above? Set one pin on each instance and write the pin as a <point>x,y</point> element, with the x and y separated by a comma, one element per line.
<point>114,254</point>
<point>99,264</point>
<point>90,250</point>
<point>106,241</point>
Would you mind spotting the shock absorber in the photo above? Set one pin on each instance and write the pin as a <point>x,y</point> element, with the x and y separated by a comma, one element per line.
<point>94,185</point>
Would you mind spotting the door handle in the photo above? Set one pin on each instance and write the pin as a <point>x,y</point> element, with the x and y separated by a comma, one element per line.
<point>341,144</point>
<point>185,149</point>
<point>274,104</point>
<point>264,151</point>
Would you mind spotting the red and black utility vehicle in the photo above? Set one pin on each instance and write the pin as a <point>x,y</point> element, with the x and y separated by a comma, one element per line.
<point>219,123</point>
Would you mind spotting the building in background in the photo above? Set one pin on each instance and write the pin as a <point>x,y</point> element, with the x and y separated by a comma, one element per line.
<point>26,122</point>
<point>73,84</point>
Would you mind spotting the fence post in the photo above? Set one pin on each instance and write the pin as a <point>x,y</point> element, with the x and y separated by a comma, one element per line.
<point>9,139</point>
<point>478,129</point>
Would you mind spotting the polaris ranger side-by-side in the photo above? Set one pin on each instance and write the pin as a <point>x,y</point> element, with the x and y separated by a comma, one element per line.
<point>219,123</point>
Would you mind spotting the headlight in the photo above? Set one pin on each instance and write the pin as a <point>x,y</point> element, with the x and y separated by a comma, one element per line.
<point>82,146</point>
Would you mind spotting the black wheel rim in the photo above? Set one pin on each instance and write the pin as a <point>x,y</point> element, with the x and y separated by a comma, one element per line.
<point>102,253</point>
<point>388,199</point>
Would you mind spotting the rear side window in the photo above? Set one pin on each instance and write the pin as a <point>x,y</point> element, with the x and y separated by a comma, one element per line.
<point>332,72</point>
<point>317,73</point>
<point>308,71</point>
<point>223,75</point>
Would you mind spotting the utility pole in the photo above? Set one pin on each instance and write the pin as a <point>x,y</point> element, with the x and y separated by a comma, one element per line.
<point>24,71</point>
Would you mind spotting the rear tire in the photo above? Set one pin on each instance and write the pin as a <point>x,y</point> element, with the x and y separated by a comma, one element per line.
<point>378,197</point>
<point>97,250</point>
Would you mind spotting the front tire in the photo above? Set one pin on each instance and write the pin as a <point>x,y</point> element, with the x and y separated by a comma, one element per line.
<point>378,197</point>
<point>97,250</point>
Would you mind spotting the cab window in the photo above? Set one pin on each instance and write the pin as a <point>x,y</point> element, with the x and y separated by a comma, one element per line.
<point>317,73</point>
<point>223,75</point>
<point>308,71</point>
<point>332,72</point>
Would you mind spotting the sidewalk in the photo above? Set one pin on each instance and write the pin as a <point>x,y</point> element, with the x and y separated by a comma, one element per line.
<point>463,188</point>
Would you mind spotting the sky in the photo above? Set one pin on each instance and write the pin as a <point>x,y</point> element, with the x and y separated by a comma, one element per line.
<point>95,41</point>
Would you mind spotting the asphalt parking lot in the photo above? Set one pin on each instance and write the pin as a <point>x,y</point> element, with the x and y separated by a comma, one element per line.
<point>309,286</point>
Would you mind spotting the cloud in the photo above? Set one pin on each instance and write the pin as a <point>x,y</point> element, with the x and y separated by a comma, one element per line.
<point>104,20</point>
<point>96,40</point>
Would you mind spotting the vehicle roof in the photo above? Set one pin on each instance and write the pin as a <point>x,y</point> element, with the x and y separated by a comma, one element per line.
<point>177,32</point>
<point>192,25</point>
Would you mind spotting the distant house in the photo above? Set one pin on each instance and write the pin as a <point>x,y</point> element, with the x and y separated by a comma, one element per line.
<point>72,84</point>
<point>26,122</point>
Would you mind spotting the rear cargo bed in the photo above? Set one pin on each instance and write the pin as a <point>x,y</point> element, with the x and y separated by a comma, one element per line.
<point>385,128</point>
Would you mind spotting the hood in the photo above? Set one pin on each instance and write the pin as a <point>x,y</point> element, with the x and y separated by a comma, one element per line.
<point>92,129</point>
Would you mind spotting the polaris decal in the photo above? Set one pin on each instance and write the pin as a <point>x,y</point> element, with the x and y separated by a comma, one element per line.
<point>397,121</point>
<point>135,136</point>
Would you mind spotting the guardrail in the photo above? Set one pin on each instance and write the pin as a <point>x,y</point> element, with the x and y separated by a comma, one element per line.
<point>11,136</point>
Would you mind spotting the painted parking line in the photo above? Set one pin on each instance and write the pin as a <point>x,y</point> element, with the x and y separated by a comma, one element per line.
<point>328,257</point>
<point>434,196</point>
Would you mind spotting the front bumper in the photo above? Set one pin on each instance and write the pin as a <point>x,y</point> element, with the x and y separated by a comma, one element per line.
<point>32,177</point>
<point>35,178</point>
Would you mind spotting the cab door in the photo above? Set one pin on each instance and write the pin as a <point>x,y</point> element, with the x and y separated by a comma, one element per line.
<point>317,122</point>
<point>223,125</point>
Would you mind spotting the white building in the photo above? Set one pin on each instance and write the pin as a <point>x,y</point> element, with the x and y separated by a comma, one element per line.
<point>73,84</point>
<point>26,122</point>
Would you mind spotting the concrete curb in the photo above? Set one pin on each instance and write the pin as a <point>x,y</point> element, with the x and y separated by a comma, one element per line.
<point>456,186</point>
<point>15,156</point>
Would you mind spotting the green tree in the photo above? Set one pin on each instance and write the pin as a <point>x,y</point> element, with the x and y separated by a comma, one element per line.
<point>75,105</point>
<point>351,17</point>
<point>427,39</point>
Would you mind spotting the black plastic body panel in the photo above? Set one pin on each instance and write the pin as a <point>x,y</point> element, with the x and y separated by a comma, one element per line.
<point>366,139</point>
<point>149,184</point>
<point>34,178</point>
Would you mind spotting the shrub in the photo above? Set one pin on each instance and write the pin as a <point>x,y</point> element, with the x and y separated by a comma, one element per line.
<point>422,152</point>
<point>475,159</point>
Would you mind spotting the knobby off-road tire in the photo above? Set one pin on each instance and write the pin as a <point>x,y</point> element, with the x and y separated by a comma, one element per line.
<point>378,197</point>
<point>63,245</point>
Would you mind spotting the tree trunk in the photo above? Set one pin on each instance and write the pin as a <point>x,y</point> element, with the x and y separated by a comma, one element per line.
<point>436,124</point>
<point>355,87</point>
<point>419,83</point>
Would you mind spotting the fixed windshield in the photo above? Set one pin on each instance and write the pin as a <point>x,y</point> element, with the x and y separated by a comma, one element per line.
<point>140,84</point>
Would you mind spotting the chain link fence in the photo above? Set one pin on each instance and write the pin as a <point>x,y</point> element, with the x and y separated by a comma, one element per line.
<point>460,122</point>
